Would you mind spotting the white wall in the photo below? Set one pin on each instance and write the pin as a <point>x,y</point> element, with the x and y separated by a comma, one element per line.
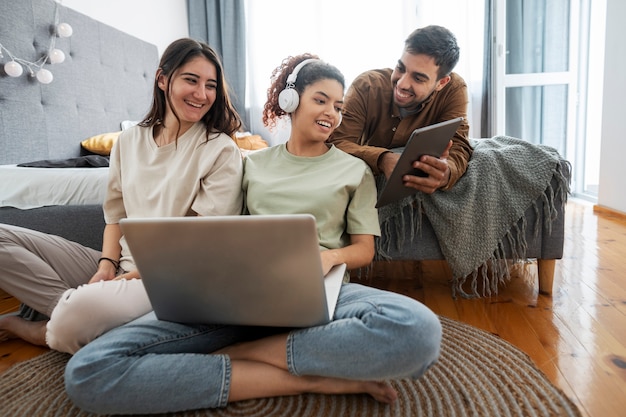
<point>156,21</point>
<point>611,193</point>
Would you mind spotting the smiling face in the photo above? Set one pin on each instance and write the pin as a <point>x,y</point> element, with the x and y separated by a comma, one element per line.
<point>319,111</point>
<point>190,92</point>
<point>414,79</point>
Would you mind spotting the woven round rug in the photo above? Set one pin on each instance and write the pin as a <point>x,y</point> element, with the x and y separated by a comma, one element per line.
<point>477,374</point>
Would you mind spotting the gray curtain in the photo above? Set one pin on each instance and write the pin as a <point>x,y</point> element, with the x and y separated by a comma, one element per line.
<point>486,114</point>
<point>537,41</point>
<point>221,24</point>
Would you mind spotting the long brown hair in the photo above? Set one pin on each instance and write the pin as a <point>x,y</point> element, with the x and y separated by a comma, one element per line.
<point>222,117</point>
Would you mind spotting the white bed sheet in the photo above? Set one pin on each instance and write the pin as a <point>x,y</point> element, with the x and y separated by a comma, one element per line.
<point>27,188</point>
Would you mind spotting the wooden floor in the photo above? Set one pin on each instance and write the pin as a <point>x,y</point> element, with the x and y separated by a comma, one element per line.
<point>577,337</point>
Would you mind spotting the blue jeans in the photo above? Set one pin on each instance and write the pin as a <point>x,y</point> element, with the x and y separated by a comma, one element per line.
<point>152,366</point>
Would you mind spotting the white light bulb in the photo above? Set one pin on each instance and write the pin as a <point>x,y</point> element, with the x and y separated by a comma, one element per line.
<point>44,76</point>
<point>13,69</point>
<point>56,56</point>
<point>64,30</point>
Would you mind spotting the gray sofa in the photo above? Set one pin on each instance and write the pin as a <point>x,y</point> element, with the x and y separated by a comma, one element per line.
<point>543,235</point>
<point>107,78</point>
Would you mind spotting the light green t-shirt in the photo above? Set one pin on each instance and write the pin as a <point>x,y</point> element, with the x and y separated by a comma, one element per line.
<point>336,188</point>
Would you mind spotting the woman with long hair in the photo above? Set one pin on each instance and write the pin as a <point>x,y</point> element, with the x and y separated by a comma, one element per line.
<point>180,160</point>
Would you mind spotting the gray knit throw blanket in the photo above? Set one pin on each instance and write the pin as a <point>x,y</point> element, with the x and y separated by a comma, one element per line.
<point>505,177</point>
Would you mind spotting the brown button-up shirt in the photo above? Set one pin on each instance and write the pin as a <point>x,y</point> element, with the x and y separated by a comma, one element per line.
<point>372,124</point>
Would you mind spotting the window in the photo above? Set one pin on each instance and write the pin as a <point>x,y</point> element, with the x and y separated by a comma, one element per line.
<point>355,36</point>
<point>540,84</point>
<point>547,81</point>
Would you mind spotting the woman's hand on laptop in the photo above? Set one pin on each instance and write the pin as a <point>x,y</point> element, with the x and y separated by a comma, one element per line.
<point>359,253</point>
<point>328,260</point>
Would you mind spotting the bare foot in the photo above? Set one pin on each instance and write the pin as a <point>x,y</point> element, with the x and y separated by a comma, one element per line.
<point>14,327</point>
<point>380,390</point>
<point>246,377</point>
<point>6,335</point>
<point>272,351</point>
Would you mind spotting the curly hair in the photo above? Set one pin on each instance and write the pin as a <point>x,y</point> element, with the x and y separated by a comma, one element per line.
<point>222,117</point>
<point>308,75</point>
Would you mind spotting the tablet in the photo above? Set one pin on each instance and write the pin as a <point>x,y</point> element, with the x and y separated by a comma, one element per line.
<point>429,140</point>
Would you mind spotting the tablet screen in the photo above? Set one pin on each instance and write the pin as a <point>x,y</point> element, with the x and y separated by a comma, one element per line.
<point>429,140</point>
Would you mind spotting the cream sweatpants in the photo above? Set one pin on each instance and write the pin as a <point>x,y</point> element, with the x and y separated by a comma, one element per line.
<point>86,312</point>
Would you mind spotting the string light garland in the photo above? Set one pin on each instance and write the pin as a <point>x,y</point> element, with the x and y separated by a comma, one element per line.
<point>15,66</point>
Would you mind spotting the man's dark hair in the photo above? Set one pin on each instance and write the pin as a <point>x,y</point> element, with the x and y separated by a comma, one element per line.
<point>436,42</point>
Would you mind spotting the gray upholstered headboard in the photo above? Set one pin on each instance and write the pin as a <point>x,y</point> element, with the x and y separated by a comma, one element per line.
<point>106,78</point>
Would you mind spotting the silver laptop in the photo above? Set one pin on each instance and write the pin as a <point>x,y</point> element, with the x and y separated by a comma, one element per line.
<point>262,270</point>
<point>428,140</point>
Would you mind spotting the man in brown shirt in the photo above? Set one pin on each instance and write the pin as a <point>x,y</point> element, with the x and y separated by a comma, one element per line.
<point>382,107</point>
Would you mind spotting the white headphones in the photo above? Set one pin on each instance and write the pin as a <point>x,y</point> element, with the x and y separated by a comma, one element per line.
<point>288,99</point>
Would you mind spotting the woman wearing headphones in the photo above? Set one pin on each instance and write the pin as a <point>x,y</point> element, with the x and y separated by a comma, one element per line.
<point>374,335</point>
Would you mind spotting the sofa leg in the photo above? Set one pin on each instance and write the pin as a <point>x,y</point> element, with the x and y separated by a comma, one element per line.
<point>545,270</point>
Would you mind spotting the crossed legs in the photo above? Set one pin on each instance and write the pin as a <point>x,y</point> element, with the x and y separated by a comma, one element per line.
<point>375,336</point>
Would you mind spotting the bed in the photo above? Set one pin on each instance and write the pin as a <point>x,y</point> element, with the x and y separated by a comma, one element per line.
<point>106,80</point>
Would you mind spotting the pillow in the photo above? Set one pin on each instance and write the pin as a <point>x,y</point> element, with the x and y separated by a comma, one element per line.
<point>100,144</point>
<point>250,142</point>
<point>127,124</point>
